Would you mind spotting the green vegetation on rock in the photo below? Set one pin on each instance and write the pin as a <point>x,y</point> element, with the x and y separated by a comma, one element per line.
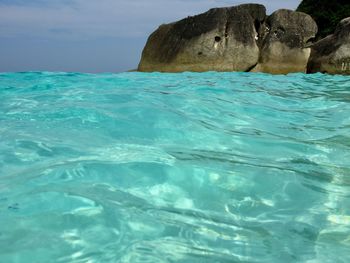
<point>326,13</point>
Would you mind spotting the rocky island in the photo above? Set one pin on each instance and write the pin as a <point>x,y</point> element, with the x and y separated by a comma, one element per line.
<point>244,38</point>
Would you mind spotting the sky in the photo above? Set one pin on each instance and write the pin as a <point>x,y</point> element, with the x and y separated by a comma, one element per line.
<point>91,35</point>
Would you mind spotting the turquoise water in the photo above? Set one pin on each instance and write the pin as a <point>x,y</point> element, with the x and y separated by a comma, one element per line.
<point>211,167</point>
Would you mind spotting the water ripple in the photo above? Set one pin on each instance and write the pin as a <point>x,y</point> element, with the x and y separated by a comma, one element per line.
<point>210,167</point>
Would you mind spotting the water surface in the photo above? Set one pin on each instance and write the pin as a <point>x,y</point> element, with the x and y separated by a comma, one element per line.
<point>210,167</point>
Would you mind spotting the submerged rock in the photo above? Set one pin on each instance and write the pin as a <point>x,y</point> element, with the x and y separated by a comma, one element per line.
<point>222,39</point>
<point>332,54</point>
<point>284,47</point>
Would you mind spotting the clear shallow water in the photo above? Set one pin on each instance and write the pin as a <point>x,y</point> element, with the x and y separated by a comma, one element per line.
<point>212,167</point>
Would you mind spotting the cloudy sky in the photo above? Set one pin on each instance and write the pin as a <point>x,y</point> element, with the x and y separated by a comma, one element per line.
<point>90,35</point>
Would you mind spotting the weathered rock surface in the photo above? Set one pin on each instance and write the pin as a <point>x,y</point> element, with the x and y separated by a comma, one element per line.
<point>240,38</point>
<point>332,54</point>
<point>284,46</point>
<point>222,39</point>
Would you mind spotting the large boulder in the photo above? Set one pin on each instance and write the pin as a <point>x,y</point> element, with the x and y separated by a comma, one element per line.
<point>222,39</point>
<point>284,45</point>
<point>332,54</point>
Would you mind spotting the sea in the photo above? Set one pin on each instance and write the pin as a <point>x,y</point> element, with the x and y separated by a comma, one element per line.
<point>187,167</point>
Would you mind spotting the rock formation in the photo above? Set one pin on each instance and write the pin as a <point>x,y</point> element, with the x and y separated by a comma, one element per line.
<point>284,48</point>
<point>240,38</point>
<point>222,39</point>
<point>332,54</point>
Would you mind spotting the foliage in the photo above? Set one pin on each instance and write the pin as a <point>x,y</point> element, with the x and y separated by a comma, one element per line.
<point>326,13</point>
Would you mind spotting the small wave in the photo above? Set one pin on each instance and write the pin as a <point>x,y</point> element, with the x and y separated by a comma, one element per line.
<point>190,167</point>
